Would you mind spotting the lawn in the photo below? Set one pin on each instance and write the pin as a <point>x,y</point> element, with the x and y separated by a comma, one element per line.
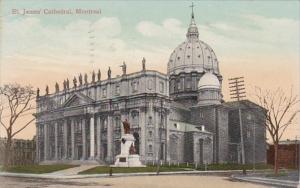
<point>38,169</point>
<point>229,166</point>
<point>105,169</point>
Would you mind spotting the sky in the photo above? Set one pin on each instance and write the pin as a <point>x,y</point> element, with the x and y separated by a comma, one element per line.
<point>255,39</point>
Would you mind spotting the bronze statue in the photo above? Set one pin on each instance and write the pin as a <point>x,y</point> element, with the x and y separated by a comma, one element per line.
<point>126,126</point>
<point>132,150</point>
<point>75,82</point>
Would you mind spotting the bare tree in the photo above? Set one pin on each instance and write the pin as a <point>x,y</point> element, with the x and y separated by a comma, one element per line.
<point>19,101</point>
<point>281,110</point>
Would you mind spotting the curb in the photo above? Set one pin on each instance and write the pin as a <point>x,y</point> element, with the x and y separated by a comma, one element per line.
<point>267,181</point>
<point>53,176</point>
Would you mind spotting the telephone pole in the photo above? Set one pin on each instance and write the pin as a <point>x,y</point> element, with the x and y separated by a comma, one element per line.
<point>237,92</point>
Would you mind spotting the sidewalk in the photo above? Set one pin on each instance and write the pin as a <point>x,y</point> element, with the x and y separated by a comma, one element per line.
<point>71,174</point>
<point>72,171</point>
<point>267,181</point>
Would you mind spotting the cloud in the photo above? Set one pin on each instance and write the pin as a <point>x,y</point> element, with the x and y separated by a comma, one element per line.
<point>168,28</point>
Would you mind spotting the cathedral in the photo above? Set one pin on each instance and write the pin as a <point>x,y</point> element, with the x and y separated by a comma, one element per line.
<point>176,117</point>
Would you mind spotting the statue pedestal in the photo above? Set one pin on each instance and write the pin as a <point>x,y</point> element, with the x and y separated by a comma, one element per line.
<point>125,159</point>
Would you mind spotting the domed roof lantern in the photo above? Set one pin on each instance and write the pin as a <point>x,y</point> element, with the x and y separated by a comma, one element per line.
<point>193,30</point>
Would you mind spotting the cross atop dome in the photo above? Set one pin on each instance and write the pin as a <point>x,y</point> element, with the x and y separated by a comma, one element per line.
<point>193,30</point>
<point>192,6</point>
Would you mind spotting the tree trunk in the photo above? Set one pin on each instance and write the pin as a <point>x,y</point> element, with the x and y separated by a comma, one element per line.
<point>276,165</point>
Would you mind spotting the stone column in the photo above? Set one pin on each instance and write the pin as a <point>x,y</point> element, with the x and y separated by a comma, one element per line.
<point>56,140</point>
<point>167,136</point>
<point>73,138</point>
<point>142,124</point>
<point>45,142</point>
<point>92,137</point>
<point>37,144</point>
<point>99,137</point>
<point>65,138</point>
<point>109,139</point>
<point>83,139</point>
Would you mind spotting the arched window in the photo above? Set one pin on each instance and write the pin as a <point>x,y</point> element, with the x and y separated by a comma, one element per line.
<point>150,149</point>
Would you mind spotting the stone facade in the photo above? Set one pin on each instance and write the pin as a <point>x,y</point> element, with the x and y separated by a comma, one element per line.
<point>175,117</point>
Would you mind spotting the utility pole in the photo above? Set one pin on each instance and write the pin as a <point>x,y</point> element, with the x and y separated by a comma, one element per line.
<point>237,92</point>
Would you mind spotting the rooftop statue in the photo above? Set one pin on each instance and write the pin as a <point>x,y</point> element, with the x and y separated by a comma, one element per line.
<point>47,90</point>
<point>80,79</point>
<point>144,64</point>
<point>99,75</point>
<point>85,79</point>
<point>109,73</point>
<point>56,87</point>
<point>93,77</point>
<point>123,68</point>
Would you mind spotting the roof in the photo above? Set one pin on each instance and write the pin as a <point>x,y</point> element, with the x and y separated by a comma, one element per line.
<point>209,81</point>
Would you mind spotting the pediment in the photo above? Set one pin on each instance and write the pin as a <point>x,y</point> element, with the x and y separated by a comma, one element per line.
<point>77,99</point>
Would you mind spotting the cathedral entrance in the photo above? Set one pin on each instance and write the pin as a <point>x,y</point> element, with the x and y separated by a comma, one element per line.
<point>79,152</point>
<point>201,151</point>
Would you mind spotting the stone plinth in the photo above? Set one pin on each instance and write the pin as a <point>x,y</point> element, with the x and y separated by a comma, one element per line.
<point>125,159</point>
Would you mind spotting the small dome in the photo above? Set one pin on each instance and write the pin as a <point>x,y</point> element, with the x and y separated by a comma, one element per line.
<point>209,81</point>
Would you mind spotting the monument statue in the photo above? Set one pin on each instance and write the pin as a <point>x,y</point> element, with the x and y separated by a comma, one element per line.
<point>128,156</point>
<point>85,79</point>
<point>132,150</point>
<point>144,64</point>
<point>99,75</point>
<point>56,87</point>
<point>93,77</point>
<point>80,79</point>
<point>123,68</point>
<point>75,82</point>
<point>47,90</point>
<point>109,73</point>
<point>126,126</point>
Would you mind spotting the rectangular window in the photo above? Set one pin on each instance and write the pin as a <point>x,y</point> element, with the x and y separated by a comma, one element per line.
<point>161,87</point>
<point>104,92</point>
<point>117,90</point>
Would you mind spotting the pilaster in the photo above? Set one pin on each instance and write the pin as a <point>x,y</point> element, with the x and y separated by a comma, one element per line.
<point>109,139</point>
<point>56,140</point>
<point>98,133</point>
<point>65,138</point>
<point>92,137</point>
<point>142,124</point>
<point>83,125</point>
<point>46,153</point>
<point>73,138</point>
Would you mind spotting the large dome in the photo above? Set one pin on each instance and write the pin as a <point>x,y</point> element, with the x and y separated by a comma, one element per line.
<point>193,54</point>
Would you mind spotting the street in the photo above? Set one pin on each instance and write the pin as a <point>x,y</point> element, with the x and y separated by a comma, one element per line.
<point>180,181</point>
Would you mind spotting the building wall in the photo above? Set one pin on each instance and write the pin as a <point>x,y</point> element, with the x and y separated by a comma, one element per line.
<point>254,134</point>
